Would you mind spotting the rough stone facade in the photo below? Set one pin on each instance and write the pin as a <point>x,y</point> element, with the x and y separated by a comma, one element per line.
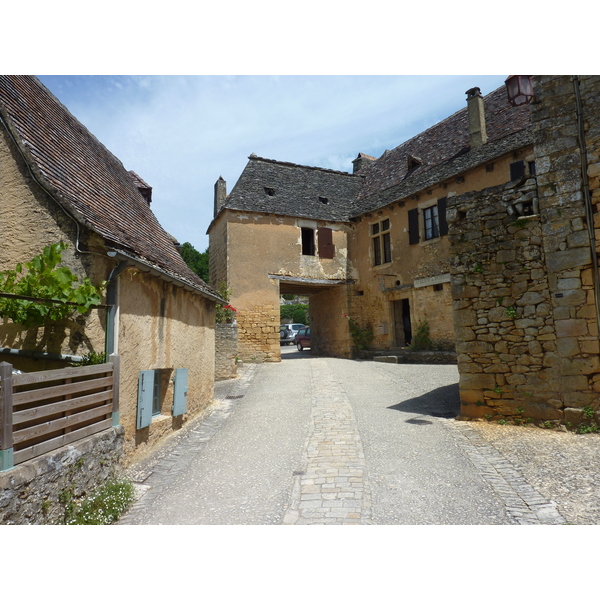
<point>523,282</point>
<point>35,492</point>
<point>226,351</point>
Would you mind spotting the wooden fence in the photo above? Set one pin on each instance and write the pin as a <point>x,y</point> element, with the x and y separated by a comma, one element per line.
<point>43,411</point>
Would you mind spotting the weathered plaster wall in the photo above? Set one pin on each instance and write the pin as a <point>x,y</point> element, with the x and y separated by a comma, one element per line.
<point>162,327</point>
<point>30,221</point>
<point>258,246</point>
<point>329,334</point>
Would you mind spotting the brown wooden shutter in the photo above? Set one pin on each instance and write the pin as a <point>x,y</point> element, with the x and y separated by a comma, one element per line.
<point>325,241</point>
<point>413,226</point>
<point>442,216</point>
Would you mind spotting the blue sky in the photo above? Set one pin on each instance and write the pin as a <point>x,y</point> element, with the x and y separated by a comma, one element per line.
<point>181,133</point>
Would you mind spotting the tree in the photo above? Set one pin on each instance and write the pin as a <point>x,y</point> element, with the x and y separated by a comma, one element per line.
<point>196,261</point>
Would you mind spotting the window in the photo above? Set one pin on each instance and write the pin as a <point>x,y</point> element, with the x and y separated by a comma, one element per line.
<point>308,241</point>
<point>430,219</point>
<point>517,170</point>
<point>428,222</point>
<point>156,393</point>
<point>381,240</point>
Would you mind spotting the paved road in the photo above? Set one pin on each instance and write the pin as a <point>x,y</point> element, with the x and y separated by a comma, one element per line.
<point>329,441</point>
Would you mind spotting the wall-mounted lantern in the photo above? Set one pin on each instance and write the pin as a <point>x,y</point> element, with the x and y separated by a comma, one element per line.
<point>519,89</point>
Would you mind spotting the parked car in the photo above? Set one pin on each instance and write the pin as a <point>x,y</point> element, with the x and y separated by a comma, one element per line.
<point>287,333</point>
<point>303,339</point>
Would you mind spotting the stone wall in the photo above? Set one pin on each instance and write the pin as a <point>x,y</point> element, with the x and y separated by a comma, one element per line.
<point>35,491</point>
<point>258,331</point>
<point>524,300</point>
<point>226,351</point>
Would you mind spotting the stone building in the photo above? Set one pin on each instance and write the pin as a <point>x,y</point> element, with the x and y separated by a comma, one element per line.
<point>524,270</point>
<point>58,182</point>
<point>371,245</point>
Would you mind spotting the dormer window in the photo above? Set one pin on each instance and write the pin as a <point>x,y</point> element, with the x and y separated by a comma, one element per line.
<point>413,163</point>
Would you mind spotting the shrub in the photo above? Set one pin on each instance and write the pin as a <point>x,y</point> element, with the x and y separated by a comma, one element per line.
<point>421,339</point>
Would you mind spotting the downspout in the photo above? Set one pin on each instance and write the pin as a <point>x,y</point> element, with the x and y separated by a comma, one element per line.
<point>589,212</point>
<point>111,300</point>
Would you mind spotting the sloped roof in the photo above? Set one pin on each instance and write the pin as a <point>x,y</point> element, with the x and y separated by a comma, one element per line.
<point>446,142</point>
<point>86,178</point>
<point>442,151</point>
<point>283,188</point>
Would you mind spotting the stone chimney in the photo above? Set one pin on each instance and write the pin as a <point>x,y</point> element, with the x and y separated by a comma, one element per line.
<point>361,162</point>
<point>220,194</point>
<point>477,133</point>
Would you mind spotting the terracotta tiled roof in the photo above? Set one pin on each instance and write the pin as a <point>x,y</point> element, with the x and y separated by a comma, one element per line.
<point>87,179</point>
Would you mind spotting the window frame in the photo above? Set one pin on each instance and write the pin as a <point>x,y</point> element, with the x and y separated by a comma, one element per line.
<point>381,241</point>
<point>431,222</point>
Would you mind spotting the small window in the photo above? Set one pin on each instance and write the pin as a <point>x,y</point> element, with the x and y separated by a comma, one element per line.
<point>156,393</point>
<point>431,223</point>
<point>323,200</point>
<point>532,167</point>
<point>381,241</point>
<point>438,287</point>
<point>413,163</point>
<point>517,170</point>
<point>270,191</point>
<point>308,241</point>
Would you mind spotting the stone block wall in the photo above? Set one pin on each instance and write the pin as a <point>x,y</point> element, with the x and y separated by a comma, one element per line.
<point>226,351</point>
<point>523,281</point>
<point>258,334</point>
<point>35,492</point>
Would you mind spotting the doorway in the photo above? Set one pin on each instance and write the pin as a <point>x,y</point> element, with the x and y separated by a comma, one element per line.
<point>403,329</point>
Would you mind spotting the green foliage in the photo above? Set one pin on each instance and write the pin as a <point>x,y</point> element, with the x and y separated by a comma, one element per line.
<point>103,507</point>
<point>196,261</point>
<point>421,339</point>
<point>43,278</point>
<point>92,358</point>
<point>362,336</point>
<point>296,312</point>
<point>224,313</point>
<point>511,311</point>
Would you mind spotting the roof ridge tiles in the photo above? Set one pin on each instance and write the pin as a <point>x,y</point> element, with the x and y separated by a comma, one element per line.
<point>291,164</point>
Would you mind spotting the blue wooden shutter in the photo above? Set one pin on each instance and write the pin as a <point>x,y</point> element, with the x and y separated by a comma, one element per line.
<point>180,392</point>
<point>145,395</point>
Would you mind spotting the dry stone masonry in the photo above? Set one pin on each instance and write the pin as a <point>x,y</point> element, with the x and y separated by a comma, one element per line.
<point>524,283</point>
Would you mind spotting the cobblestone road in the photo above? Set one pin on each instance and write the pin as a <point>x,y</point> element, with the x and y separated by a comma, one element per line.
<point>326,441</point>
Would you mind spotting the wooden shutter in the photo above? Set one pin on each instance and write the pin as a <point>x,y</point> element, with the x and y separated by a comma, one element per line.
<point>180,392</point>
<point>145,395</point>
<point>442,216</point>
<point>325,240</point>
<point>413,226</point>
